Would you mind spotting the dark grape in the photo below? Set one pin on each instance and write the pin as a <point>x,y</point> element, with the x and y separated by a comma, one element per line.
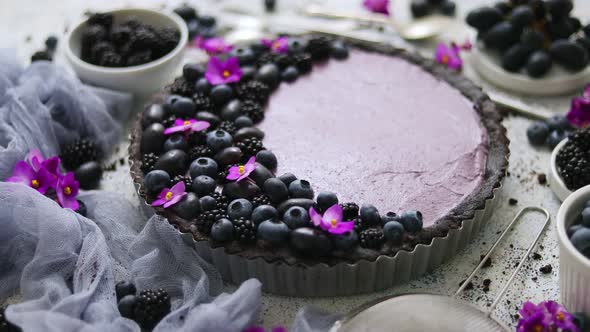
<point>569,54</point>
<point>522,16</point>
<point>501,36</point>
<point>516,57</point>
<point>538,63</point>
<point>533,39</point>
<point>484,18</point>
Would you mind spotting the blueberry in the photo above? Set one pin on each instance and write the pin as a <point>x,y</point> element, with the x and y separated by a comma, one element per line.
<point>189,207</point>
<point>273,231</point>
<point>243,121</point>
<point>231,110</point>
<point>290,74</point>
<point>559,122</point>
<point>88,175</point>
<point>581,240</point>
<point>587,204</point>
<point>155,113</point>
<point>310,241</point>
<point>174,162</point>
<point>202,85</point>
<point>203,185</point>
<point>51,43</point>
<point>301,189</point>
<point>270,5</point>
<point>345,241</point>
<point>339,50</point>
<point>239,208</point>
<point>245,55</point>
<point>586,217</point>
<point>268,159</point>
<point>169,101</point>
<point>325,200</point>
<point>186,12</point>
<point>394,232</point>
<point>370,215</point>
<point>248,73</point>
<point>207,21</point>
<point>155,181</point>
<point>152,138</point>
<point>287,178</point>
<point>218,140</point>
<point>572,229</point>
<point>222,230</point>
<point>296,45</point>
<point>264,212</point>
<point>207,203</point>
<point>203,166</point>
<point>305,203</point>
<point>389,216</point>
<point>193,71</point>
<point>221,94</point>
<point>276,190</point>
<point>260,174</point>
<point>411,220</point>
<point>176,141</point>
<point>448,8</point>
<point>206,32</point>
<point>124,288</point>
<point>193,28</point>
<point>555,137</point>
<point>537,133</point>
<point>184,108</point>
<point>296,217</point>
<point>269,74</point>
<point>127,306</point>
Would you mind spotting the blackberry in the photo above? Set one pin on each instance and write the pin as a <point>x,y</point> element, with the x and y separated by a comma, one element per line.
<point>261,199</point>
<point>120,35</point>
<point>79,152</point>
<point>245,230</point>
<point>253,90</point>
<point>203,102</point>
<point>197,138</point>
<point>250,146</point>
<point>103,19</point>
<point>221,201</point>
<point>151,306</point>
<point>167,40</point>
<point>188,182</point>
<point>148,161</point>
<point>265,58</point>
<point>284,61</point>
<point>228,126</point>
<point>169,121</point>
<point>139,58</point>
<point>98,49</point>
<point>573,160</point>
<point>6,326</point>
<point>207,218</point>
<point>40,56</point>
<point>372,238</point>
<point>182,87</point>
<point>221,176</point>
<point>253,110</point>
<point>359,226</point>
<point>200,151</point>
<point>350,211</point>
<point>143,38</point>
<point>110,59</point>
<point>93,34</point>
<point>319,47</point>
<point>303,62</point>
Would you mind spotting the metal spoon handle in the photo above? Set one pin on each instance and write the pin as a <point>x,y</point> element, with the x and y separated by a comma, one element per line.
<point>316,11</point>
<point>518,107</point>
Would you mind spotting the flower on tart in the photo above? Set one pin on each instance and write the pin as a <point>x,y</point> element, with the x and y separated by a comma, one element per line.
<point>240,172</point>
<point>449,56</point>
<point>187,126</point>
<point>547,316</point>
<point>219,72</point>
<point>170,196</point>
<point>40,180</point>
<point>213,45</point>
<point>377,6</point>
<point>579,113</point>
<point>279,45</point>
<point>66,190</point>
<point>331,221</point>
<point>561,318</point>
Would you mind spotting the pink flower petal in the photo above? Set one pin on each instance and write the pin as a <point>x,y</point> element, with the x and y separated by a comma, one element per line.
<point>158,202</point>
<point>342,227</point>
<point>178,188</point>
<point>315,217</point>
<point>234,173</point>
<point>173,130</point>
<point>334,212</point>
<point>23,173</point>
<point>163,193</point>
<point>178,122</point>
<point>200,125</point>
<point>34,158</point>
<point>174,199</point>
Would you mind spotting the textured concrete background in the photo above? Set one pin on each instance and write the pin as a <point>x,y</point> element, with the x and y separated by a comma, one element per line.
<point>24,24</point>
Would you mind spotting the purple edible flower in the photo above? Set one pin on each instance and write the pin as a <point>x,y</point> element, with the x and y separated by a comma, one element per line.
<point>219,72</point>
<point>36,160</point>
<point>331,221</point>
<point>170,196</point>
<point>187,126</point>
<point>40,180</point>
<point>261,329</point>
<point>547,316</point>
<point>377,6</point>
<point>238,173</point>
<point>560,317</point>
<point>213,45</point>
<point>533,323</point>
<point>279,45</point>
<point>66,190</point>
<point>579,114</point>
<point>449,56</point>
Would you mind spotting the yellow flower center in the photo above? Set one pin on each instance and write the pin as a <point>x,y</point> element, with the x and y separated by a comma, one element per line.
<point>241,169</point>
<point>226,73</point>
<point>35,183</point>
<point>538,328</point>
<point>445,59</point>
<point>276,45</point>
<point>168,195</point>
<point>560,316</point>
<point>67,190</point>
<point>186,123</point>
<point>334,222</point>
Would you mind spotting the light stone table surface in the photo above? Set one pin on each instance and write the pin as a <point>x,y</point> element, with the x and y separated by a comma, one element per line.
<point>24,24</point>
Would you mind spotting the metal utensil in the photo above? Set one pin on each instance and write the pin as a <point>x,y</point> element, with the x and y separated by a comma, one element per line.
<point>418,29</point>
<point>428,312</point>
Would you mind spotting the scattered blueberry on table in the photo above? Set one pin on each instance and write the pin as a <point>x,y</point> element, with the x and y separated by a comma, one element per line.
<point>550,132</point>
<point>422,8</point>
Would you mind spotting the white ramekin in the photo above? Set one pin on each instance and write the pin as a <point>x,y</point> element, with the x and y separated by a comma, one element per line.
<point>554,179</point>
<point>574,268</point>
<point>142,79</point>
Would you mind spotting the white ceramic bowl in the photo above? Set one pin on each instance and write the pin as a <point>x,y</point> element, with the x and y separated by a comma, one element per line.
<point>574,268</point>
<point>554,179</point>
<point>557,82</point>
<point>142,79</point>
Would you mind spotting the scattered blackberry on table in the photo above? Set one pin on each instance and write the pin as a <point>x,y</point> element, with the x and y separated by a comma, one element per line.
<point>103,19</point>
<point>372,238</point>
<point>349,210</point>
<point>188,182</point>
<point>221,201</point>
<point>253,110</point>
<point>200,151</point>
<point>41,56</point>
<point>148,161</point>
<point>303,62</point>
<point>228,126</point>
<point>261,199</point>
<point>245,230</point>
<point>203,102</point>
<point>206,219</point>
<point>284,61</point>
<point>319,47</point>
<point>253,90</point>
<point>250,146</point>
<point>78,153</point>
<point>182,87</point>
<point>6,326</point>
<point>573,160</point>
<point>151,307</point>
<point>264,58</point>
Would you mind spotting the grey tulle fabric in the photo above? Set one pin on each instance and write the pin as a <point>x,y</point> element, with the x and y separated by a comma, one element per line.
<point>65,265</point>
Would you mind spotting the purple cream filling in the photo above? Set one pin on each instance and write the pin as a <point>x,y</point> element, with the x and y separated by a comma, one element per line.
<point>377,129</point>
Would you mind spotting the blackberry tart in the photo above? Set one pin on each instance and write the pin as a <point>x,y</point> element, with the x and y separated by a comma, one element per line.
<point>330,168</point>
